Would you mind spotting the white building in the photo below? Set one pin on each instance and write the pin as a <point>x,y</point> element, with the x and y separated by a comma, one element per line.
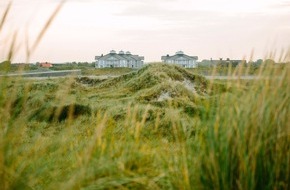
<point>181,59</point>
<point>121,59</point>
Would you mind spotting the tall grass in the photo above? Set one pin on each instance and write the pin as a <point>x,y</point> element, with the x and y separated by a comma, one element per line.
<point>69,133</point>
<point>237,139</point>
<point>247,142</point>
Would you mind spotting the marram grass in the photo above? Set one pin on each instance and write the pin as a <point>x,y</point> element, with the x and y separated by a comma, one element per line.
<point>247,142</point>
<point>119,134</point>
<point>161,127</point>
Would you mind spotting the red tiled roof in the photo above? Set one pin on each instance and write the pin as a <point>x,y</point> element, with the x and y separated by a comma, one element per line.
<point>46,65</point>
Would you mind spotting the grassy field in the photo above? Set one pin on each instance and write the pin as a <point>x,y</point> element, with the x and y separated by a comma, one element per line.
<point>161,127</point>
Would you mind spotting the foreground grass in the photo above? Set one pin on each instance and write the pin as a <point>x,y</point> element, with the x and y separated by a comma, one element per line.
<point>158,128</point>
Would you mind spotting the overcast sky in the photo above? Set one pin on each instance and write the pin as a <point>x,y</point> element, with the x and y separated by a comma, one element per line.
<point>151,28</point>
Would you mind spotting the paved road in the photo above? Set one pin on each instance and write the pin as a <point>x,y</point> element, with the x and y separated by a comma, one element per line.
<point>45,74</point>
<point>234,77</point>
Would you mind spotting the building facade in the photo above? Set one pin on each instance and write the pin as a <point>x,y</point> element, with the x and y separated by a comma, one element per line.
<point>222,62</point>
<point>120,59</point>
<point>181,59</point>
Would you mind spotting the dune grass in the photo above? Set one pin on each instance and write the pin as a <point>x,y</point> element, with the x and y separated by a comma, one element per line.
<point>161,127</point>
<point>68,134</point>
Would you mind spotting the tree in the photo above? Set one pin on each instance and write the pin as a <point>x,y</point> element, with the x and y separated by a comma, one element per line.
<point>269,62</point>
<point>5,66</point>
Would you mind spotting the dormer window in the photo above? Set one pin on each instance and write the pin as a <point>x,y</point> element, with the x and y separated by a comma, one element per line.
<point>112,52</point>
<point>179,53</point>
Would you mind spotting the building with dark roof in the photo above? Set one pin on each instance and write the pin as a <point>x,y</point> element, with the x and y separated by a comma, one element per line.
<point>222,62</point>
<point>181,59</point>
<point>120,59</point>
